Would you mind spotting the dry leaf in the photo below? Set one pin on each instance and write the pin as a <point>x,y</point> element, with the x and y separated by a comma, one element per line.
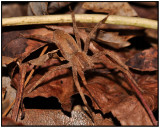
<point>113,39</point>
<point>146,12</point>
<point>151,95</point>
<point>16,46</point>
<point>113,8</point>
<point>107,93</point>
<point>7,60</point>
<point>58,118</point>
<point>146,3</point>
<point>10,93</point>
<point>13,10</point>
<point>59,84</point>
<point>37,8</point>
<point>152,33</point>
<point>55,6</point>
<point>6,121</point>
<point>78,9</point>
<point>149,84</point>
<point>131,112</point>
<point>144,61</point>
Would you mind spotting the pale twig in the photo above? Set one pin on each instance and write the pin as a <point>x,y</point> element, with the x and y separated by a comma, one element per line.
<point>89,18</point>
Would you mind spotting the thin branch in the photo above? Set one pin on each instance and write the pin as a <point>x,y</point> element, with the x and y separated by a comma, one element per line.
<point>89,18</point>
<point>22,74</point>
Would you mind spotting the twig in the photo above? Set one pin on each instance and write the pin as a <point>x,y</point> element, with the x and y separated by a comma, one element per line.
<point>89,18</point>
<point>8,108</point>
<point>22,68</point>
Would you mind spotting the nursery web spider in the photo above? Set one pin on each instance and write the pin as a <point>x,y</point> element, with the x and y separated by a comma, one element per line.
<point>77,58</point>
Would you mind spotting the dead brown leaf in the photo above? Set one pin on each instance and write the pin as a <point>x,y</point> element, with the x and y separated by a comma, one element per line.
<point>113,39</point>
<point>152,33</point>
<point>113,8</point>
<point>6,121</point>
<point>107,94</point>
<point>131,112</point>
<point>15,46</point>
<point>146,12</point>
<point>149,83</point>
<point>14,10</point>
<point>58,118</point>
<point>61,87</point>
<point>37,8</point>
<point>151,95</point>
<point>7,60</point>
<point>146,3</point>
<point>78,9</point>
<point>144,61</point>
<point>55,6</point>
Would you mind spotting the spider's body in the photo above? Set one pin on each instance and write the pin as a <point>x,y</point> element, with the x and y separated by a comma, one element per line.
<point>72,53</point>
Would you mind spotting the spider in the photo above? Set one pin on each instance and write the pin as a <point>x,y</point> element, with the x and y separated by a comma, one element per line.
<point>77,58</point>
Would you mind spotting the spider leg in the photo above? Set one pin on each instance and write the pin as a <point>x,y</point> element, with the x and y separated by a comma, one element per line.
<point>47,74</point>
<point>75,29</point>
<point>86,46</point>
<point>75,78</point>
<point>81,73</point>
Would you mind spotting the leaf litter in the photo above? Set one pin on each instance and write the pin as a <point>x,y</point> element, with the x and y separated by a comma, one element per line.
<point>104,95</point>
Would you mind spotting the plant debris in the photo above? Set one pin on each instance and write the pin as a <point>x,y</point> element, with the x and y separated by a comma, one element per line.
<point>87,74</point>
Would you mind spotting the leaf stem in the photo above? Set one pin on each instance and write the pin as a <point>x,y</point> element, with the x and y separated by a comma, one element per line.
<point>83,18</point>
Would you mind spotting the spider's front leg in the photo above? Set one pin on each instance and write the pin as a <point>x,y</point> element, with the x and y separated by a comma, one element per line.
<point>75,78</point>
<point>75,29</point>
<point>47,74</point>
<point>86,46</point>
<point>81,73</point>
